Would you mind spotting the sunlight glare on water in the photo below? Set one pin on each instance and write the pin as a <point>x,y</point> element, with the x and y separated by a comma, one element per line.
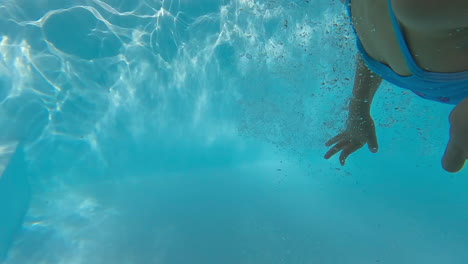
<point>192,132</point>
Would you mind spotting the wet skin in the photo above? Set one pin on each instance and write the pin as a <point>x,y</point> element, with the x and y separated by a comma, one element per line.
<point>437,35</point>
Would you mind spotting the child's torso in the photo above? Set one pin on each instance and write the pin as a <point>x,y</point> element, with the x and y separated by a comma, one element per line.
<point>443,49</point>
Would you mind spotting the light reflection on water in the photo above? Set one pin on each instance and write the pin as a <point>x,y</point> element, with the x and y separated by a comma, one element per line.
<point>178,71</point>
<point>176,131</point>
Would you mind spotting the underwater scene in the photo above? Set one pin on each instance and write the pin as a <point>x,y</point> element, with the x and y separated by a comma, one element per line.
<point>194,132</point>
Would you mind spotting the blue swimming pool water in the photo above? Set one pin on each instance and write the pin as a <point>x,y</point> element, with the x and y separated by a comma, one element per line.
<point>193,132</point>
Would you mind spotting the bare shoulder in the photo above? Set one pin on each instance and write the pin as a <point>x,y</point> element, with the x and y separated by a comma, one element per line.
<point>447,14</point>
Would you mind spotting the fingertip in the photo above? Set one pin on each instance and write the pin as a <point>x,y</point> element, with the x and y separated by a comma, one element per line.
<point>373,144</point>
<point>453,167</point>
<point>373,147</point>
<point>344,156</point>
<point>328,155</point>
<point>452,161</point>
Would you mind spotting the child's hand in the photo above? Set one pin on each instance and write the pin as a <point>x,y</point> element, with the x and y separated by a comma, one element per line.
<point>457,149</point>
<point>359,131</point>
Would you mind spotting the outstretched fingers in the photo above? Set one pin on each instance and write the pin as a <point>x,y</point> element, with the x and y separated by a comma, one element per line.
<point>348,150</point>
<point>337,148</point>
<point>334,140</point>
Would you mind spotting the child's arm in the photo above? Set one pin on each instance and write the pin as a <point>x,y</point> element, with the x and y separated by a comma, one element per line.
<point>366,84</point>
<point>360,128</point>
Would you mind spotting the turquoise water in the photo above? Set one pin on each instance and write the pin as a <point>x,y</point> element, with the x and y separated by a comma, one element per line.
<point>193,132</point>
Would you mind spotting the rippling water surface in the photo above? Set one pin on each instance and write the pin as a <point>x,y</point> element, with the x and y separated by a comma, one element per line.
<point>192,132</point>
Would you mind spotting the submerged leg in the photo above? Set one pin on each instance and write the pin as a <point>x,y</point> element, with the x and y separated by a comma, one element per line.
<point>14,195</point>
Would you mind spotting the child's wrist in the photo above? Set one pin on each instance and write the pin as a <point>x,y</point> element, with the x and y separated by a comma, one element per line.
<point>358,99</point>
<point>359,105</point>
